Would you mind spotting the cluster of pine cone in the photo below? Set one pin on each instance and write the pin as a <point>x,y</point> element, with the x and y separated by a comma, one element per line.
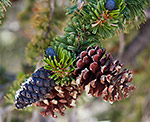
<point>95,69</point>
<point>59,98</point>
<point>43,92</point>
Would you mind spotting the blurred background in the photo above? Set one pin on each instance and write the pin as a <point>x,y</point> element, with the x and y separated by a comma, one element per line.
<point>21,50</point>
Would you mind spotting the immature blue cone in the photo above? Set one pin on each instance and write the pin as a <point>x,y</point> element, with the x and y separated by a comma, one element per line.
<point>43,92</point>
<point>110,5</point>
<point>50,52</point>
<point>34,88</point>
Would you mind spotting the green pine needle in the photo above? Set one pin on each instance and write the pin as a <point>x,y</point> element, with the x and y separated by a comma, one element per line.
<point>62,66</point>
<point>10,95</point>
<point>92,19</point>
<point>3,8</point>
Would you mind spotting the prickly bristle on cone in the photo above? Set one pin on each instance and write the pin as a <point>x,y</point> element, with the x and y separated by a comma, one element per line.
<point>98,70</point>
<point>34,88</point>
<point>58,99</point>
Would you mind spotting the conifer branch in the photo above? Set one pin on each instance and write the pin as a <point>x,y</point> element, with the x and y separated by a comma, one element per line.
<point>4,4</point>
<point>51,12</point>
<point>94,21</point>
<point>52,7</point>
<point>12,90</point>
<point>44,26</point>
<point>62,66</point>
<point>79,56</point>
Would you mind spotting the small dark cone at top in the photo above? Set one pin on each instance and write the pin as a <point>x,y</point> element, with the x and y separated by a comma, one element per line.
<point>110,5</point>
<point>98,70</point>
<point>34,88</point>
<point>50,52</point>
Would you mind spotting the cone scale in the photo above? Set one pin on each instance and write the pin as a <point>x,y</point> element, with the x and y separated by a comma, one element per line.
<point>41,91</point>
<point>34,88</point>
<point>95,69</point>
<point>102,74</point>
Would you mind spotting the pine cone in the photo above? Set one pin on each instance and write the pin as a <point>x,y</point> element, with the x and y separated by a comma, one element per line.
<point>43,92</point>
<point>58,99</point>
<point>50,52</point>
<point>110,5</point>
<point>102,74</point>
<point>34,88</point>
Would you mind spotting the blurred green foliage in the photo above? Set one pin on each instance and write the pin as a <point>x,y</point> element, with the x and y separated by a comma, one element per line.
<point>12,54</point>
<point>3,8</point>
<point>3,78</point>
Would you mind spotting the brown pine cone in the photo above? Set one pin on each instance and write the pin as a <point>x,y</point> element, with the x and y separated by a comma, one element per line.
<point>58,99</point>
<point>102,74</point>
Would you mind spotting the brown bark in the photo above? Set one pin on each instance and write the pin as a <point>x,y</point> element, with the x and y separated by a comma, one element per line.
<point>139,43</point>
<point>146,109</point>
<point>121,45</point>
